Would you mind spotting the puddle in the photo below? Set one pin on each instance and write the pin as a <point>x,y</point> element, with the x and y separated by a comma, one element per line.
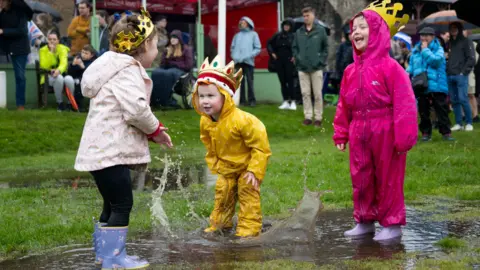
<point>191,175</point>
<point>327,246</point>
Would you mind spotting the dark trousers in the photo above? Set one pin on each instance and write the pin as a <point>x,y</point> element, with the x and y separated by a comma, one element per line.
<point>19,64</point>
<point>248,78</point>
<point>163,82</point>
<point>115,185</point>
<point>285,69</point>
<point>440,105</point>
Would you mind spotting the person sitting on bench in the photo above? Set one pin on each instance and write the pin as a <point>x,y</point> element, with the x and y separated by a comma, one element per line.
<point>54,59</point>
<point>177,60</point>
<point>77,68</point>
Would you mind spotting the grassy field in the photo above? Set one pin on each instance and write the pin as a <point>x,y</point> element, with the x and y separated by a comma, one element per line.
<point>41,146</point>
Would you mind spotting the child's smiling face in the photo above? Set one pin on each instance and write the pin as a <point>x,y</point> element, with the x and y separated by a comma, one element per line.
<point>210,100</point>
<point>360,33</point>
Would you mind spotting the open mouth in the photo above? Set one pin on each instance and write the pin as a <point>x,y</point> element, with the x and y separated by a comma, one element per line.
<point>358,39</point>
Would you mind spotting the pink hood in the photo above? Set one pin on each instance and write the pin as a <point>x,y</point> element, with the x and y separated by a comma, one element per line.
<point>378,41</point>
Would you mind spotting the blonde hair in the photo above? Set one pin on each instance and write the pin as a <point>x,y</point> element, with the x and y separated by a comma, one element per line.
<point>129,24</point>
<point>175,51</point>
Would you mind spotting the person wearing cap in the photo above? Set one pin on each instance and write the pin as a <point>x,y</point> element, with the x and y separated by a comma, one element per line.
<point>428,56</point>
<point>460,64</point>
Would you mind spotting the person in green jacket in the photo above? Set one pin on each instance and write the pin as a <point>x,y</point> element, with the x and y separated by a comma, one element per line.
<point>54,58</point>
<point>310,50</point>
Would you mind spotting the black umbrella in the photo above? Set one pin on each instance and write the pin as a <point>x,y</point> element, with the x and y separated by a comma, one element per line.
<point>299,22</point>
<point>22,5</point>
<point>466,11</point>
<point>39,7</point>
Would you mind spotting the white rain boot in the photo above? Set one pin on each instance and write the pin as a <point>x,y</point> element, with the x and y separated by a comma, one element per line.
<point>285,105</point>
<point>361,229</point>
<point>293,106</point>
<point>388,233</point>
<point>457,127</point>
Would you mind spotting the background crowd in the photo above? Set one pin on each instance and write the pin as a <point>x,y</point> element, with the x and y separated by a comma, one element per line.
<point>442,64</point>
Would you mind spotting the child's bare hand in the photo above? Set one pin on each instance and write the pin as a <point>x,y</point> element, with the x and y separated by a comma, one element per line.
<point>341,147</point>
<point>163,138</point>
<point>251,179</point>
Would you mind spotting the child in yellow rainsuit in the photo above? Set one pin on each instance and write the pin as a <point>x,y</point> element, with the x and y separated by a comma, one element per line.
<point>237,149</point>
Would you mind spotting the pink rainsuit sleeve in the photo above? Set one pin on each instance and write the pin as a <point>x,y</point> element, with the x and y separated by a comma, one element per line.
<point>404,109</point>
<point>342,118</point>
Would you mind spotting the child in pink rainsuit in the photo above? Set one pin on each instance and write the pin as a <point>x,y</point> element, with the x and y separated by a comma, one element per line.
<point>377,116</point>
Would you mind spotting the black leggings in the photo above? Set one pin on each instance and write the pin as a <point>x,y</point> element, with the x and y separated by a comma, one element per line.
<point>115,185</point>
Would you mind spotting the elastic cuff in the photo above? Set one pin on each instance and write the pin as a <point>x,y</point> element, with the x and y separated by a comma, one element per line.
<point>154,134</point>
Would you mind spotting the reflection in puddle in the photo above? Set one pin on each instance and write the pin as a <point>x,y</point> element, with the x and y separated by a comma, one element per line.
<point>328,245</point>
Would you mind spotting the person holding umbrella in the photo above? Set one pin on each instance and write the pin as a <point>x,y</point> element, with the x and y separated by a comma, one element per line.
<point>14,41</point>
<point>460,64</point>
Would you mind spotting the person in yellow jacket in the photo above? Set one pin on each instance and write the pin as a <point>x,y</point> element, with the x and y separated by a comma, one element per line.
<point>237,149</point>
<point>54,58</point>
<point>79,28</point>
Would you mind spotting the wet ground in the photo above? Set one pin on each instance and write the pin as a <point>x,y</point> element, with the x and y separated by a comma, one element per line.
<point>327,246</point>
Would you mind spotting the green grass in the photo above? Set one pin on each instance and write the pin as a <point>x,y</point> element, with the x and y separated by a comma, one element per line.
<point>451,243</point>
<point>41,146</point>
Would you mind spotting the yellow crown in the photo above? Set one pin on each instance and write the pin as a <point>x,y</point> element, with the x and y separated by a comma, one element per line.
<point>224,74</point>
<point>131,41</point>
<point>389,13</point>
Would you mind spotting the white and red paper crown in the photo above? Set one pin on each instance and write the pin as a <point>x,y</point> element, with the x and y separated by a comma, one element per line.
<point>224,77</point>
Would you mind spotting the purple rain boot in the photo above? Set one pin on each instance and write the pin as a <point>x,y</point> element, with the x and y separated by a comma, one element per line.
<point>112,248</point>
<point>361,229</point>
<point>97,241</point>
<point>388,233</point>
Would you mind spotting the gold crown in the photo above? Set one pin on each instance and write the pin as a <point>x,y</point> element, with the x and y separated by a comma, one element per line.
<point>224,74</point>
<point>389,14</point>
<point>127,42</point>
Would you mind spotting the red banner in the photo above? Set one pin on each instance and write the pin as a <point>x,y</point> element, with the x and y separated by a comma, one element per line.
<point>184,7</point>
<point>265,19</point>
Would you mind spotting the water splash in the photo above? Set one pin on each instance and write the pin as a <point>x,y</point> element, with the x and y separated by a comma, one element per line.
<point>191,210</point>
<point>159,216</point>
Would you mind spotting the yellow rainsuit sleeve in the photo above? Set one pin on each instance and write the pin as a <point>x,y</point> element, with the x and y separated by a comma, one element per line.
<point>210,157</point>
<point>255,136</point>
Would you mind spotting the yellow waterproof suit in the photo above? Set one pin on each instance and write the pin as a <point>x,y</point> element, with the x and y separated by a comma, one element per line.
<point>236,144</point>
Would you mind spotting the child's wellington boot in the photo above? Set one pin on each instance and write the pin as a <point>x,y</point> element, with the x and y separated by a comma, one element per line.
<point>97,241</point>
<point>361,229</point>
<point>112,248</point>
<point>389,233</point>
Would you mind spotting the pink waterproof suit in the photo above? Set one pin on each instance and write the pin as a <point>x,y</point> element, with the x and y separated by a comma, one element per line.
<point>377,115</point>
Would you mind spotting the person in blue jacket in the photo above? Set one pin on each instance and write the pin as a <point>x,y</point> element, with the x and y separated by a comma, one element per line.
<point>245,47</point>
<point>428,56</point>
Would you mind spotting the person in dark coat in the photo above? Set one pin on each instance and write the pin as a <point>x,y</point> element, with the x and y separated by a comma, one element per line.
<point>280,49</point>
<point>76,69</point>
<point>14,41</point>
<point>461,60</point>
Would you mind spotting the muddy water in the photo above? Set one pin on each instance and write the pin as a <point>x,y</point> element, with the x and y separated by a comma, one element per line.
<point>327,246</point>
